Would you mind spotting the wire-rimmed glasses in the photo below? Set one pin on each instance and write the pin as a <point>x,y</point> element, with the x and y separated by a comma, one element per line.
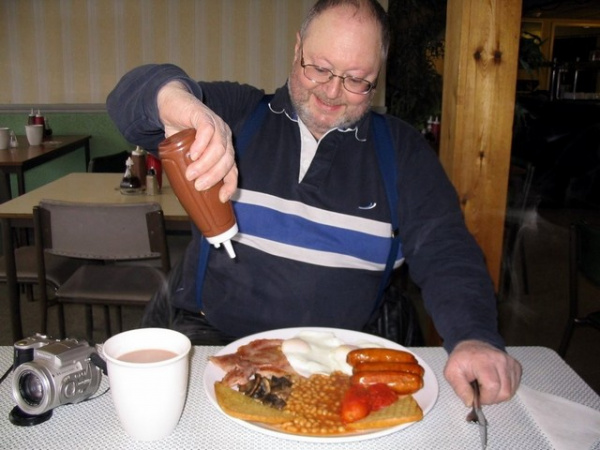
<point>321,75</point>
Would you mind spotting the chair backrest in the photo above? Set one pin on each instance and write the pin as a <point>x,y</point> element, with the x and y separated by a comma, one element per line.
<point>585,241</point>
<point>119,232</point>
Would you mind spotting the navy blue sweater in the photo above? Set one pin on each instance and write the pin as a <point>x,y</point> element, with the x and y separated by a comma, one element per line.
<point>311,253</point>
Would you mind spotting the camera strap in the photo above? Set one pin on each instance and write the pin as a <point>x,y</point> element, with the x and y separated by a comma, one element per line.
<point>99,362</point>
<point>5,374</point>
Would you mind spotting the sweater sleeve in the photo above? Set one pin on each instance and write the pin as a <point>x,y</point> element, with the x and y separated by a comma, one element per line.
<point>132,103</point>
<point>443,258</point>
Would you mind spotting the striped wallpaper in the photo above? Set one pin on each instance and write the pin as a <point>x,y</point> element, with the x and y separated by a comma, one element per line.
<point>74,51</point>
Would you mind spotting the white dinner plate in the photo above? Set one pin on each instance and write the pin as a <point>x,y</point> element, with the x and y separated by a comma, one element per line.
<point>426,397</point>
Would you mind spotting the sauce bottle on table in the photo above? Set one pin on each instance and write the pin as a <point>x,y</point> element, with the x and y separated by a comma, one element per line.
<point>39,119</point>
<point>138,156</point>
<point>130,184</point>
<point>215,219</point>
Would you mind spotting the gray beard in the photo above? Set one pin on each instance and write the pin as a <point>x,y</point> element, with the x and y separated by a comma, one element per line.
<point>305,115</point>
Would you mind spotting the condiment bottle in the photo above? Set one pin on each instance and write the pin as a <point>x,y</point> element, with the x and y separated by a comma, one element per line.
<point>47,128</point>
<point>130,184</point>
<point>215,219</point>
<point>139,165</point>
<point>31,118</point>
<point>38,119</point>
<point>435,129</point>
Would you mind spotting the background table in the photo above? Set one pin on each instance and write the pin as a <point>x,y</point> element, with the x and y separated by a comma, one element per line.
<point>93,188</point>
<point>74,187</point>
<point>24,157</point>
<point>94,424</point>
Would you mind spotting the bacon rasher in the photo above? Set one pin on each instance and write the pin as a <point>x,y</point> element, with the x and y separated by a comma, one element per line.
<point>262,356</point>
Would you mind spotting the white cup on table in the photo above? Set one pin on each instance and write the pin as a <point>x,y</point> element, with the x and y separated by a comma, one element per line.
<point>35,134</point>
<point>148,376</point>
<point>4,138</point>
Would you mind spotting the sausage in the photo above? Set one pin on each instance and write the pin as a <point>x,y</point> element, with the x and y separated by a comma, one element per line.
<point>378,355</point>
<point>384,366</point>
<point>401,382</point>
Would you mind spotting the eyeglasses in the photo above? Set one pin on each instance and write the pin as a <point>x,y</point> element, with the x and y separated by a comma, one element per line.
<point>321,75</point>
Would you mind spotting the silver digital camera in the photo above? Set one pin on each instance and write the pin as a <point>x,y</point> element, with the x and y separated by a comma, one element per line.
<point>49,373</point>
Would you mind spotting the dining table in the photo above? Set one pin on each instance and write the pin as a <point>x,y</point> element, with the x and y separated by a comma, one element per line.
<point>74,187</point>
<point>513,424</point>
<point>17,160</point>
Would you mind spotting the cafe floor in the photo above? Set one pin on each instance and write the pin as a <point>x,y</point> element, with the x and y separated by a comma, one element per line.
<point>536,318</point>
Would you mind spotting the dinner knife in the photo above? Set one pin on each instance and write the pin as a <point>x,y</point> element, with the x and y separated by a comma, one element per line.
<point>481,420</point>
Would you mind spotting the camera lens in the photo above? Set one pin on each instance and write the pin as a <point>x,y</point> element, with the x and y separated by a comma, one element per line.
<point>31,388</point>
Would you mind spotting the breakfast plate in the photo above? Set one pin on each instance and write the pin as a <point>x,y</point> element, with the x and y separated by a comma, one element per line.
<point>426,397</point>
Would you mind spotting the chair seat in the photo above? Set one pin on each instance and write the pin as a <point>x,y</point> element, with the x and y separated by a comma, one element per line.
<point>109,284</point>
<point>58,268</point>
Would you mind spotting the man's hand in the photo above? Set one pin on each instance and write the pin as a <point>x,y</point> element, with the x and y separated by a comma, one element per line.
<point>497,372</point>
<point>212,153</point>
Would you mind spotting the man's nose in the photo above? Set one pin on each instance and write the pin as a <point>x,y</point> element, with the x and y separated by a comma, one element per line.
<point>334,86</point>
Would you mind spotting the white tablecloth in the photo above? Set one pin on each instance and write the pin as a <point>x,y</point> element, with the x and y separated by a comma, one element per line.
<point>94,424</point>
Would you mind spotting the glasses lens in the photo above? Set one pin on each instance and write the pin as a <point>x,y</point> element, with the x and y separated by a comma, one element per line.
<point>317,74</point>
<point>31,388</point>
<point>357,85</point>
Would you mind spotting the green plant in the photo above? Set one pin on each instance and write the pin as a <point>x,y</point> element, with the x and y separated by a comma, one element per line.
<point>414,86</point>
<point>530,52</point>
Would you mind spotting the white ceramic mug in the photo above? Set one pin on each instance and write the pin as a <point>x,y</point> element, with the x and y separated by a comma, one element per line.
<point>148,396</point>
<point>4,138</point>
<point>35,134</point>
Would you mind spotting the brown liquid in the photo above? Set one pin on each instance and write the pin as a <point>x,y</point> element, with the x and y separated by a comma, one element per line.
<point>139,168</point>
<point>147,355</point>
<point>206,210</point>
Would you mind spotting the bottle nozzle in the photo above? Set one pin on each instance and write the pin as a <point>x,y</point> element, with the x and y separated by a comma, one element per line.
<point>229,248</point>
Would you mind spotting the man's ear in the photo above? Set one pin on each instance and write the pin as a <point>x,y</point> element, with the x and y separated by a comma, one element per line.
<point>297,47</point>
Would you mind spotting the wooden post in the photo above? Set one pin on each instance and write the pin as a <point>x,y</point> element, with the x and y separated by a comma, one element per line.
<point>480,76</point>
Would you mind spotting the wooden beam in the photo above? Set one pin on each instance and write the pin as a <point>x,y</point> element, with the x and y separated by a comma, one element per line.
<point>480,76</point>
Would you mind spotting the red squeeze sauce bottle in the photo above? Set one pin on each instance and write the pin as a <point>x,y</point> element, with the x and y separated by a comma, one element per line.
<point>215,220</point>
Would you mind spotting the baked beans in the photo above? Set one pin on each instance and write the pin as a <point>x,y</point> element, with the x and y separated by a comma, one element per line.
<point>316,402</point>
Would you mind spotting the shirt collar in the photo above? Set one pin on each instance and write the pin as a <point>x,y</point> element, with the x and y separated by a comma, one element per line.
<point>282,104</point>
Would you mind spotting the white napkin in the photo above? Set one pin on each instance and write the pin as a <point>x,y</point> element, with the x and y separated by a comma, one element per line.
<point>568,425</point>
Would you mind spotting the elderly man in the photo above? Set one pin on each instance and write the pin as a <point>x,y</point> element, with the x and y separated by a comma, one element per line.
<point>311,203</point>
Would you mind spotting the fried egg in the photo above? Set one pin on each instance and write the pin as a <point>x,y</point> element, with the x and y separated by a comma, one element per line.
<point>312,352</point>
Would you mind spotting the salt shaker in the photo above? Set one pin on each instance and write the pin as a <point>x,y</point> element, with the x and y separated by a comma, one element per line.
<point>13,139</point>
<point>151,183</point>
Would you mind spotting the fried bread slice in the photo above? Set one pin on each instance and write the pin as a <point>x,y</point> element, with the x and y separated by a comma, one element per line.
<point>243,407</point>
<point>404,410</point>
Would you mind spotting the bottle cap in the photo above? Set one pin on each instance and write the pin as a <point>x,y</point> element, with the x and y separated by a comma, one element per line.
<point>225,239</point>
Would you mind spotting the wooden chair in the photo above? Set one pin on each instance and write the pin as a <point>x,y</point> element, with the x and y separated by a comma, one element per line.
<point>107,234</point>
<point>584,263</point>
